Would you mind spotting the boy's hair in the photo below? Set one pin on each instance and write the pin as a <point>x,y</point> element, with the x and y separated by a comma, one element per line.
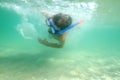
<point>62,20</point>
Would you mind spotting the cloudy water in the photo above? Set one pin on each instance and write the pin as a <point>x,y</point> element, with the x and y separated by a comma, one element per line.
<point>91,50</point>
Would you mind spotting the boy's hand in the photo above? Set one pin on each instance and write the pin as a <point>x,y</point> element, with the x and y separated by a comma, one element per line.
<point>43,41</point>
<point>47,14</point>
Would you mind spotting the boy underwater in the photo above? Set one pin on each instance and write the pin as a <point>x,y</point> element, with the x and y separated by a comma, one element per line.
<point>58,25</point>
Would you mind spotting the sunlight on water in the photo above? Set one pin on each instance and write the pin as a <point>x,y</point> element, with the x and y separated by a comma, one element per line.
<point>91,51</point>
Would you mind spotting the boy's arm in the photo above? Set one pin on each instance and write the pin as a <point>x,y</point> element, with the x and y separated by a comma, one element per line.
<point>50,44</point>
<point>47,14</point>
<point>60,43</point>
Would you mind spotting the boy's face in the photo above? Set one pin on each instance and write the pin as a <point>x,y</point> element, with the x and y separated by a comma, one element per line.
<point>62,21</point>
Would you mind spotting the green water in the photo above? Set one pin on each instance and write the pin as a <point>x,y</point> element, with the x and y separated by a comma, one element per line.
<point>91,51</point>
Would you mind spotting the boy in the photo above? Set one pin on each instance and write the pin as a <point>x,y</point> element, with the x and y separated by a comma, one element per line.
<point>58,25</point>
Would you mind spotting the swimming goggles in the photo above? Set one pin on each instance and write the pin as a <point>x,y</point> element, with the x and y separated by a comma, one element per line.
<point>56,30</point>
